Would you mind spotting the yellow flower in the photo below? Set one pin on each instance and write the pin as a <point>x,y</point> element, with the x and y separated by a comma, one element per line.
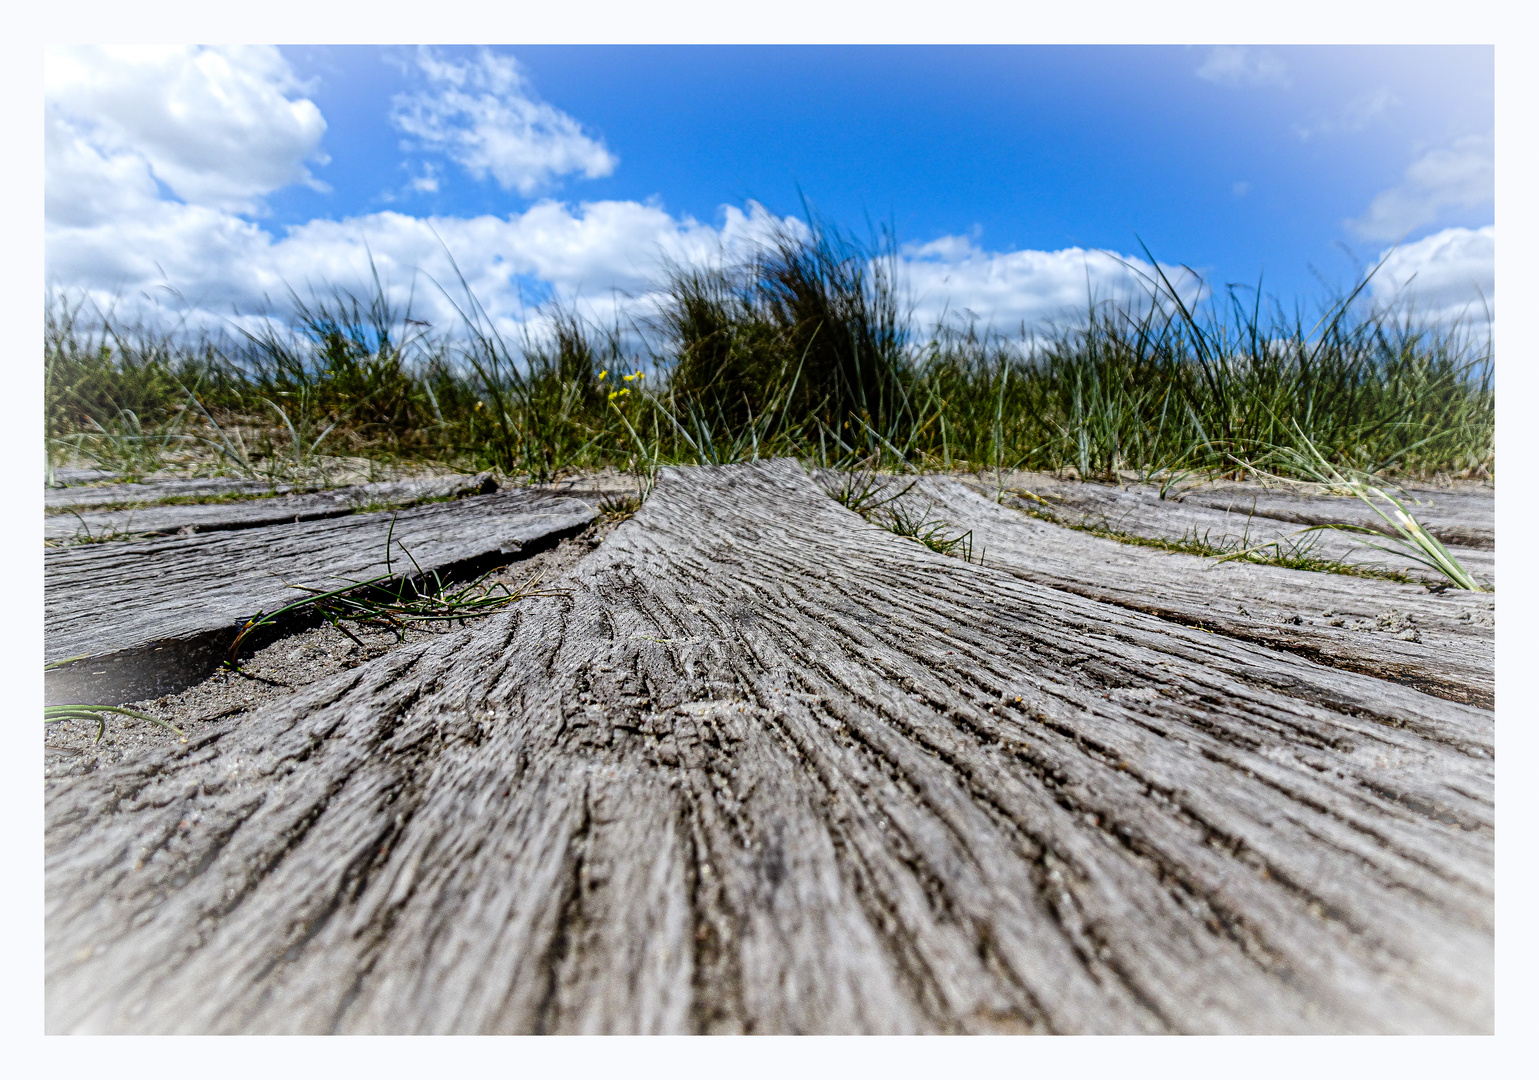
<point>602,374</point>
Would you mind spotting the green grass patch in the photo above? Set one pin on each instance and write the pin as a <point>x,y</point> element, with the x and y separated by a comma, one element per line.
<point>804,349</point>
<point>617,508</point>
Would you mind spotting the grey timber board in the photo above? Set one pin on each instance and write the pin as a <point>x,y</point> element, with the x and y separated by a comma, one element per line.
<point>153,491</point>
<point>1462,513</point>
<point>1360,624</point>
<point>1144,513</point>
<point>1461,519</point>
<point>156,616</point>
<point>764,767</point>
<point>167,520</point>
<point>66,476</point>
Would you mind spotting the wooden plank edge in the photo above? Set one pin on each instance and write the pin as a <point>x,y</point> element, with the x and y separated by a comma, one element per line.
<point>151,669</point>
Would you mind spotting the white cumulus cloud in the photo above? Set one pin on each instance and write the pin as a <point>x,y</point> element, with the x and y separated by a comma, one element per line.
<point>218,127</point>
<point>955,281</point>
<point>1236,65</point>
<point>483,115</point>
<point>603,257</point>
<point>1460,176</point>
<point>1448,276</point>
<point>141,213</point>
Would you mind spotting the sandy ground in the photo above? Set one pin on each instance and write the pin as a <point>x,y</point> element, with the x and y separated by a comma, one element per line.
<point>271,673</point>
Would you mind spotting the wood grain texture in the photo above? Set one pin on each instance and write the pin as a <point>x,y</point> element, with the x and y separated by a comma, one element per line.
<point>1141,512</point>
<point>1458,518</point>
<point>156,616</point>
<point>1462,514</point>
<point>64,477</point>
<point>765,767</point>
<point>1440,643</point>
<point>149,492</point>
<point>188,518</point>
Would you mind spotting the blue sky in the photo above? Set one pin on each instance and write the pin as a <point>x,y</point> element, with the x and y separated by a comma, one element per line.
<point>1009,174</point>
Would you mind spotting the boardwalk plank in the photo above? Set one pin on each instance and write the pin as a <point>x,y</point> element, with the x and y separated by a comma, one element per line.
<point>64,477</point>
<point>187,518</point>
<point>149,492</point>
<point>1458,518</point>
<point>765,767</point>
<point>1463,515</point>
<point>1141,512</point>
<point>1360,624</point>
<point>156,616</point>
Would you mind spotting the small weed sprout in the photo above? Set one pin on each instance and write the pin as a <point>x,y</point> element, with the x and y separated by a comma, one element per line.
<point>393,602</point>
<point>866,494</point>
<point>617,508</point>
<point>933,534</point>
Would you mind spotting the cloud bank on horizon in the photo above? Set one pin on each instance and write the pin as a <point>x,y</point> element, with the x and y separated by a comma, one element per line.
<point>160,164</point>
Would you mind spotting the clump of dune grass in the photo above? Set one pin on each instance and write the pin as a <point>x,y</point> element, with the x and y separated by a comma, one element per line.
<point>807,348</point>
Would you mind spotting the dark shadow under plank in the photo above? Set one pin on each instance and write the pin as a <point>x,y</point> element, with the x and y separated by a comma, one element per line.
<point>156,616</point>
<point>762,766</point>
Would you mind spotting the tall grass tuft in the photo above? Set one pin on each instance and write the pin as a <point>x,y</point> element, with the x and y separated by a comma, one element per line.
<point>806,348</point>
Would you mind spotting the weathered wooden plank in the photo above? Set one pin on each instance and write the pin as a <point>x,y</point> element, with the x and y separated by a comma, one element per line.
<point>155,617</point>
<point>251,513</point>
<point>1460,518</point>
<point>765,767</point>
<point>1144,513</point>
<point>64,477</point>
<point>1440,643</point>
<point>1463,515</point>
<point>153,491</point>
